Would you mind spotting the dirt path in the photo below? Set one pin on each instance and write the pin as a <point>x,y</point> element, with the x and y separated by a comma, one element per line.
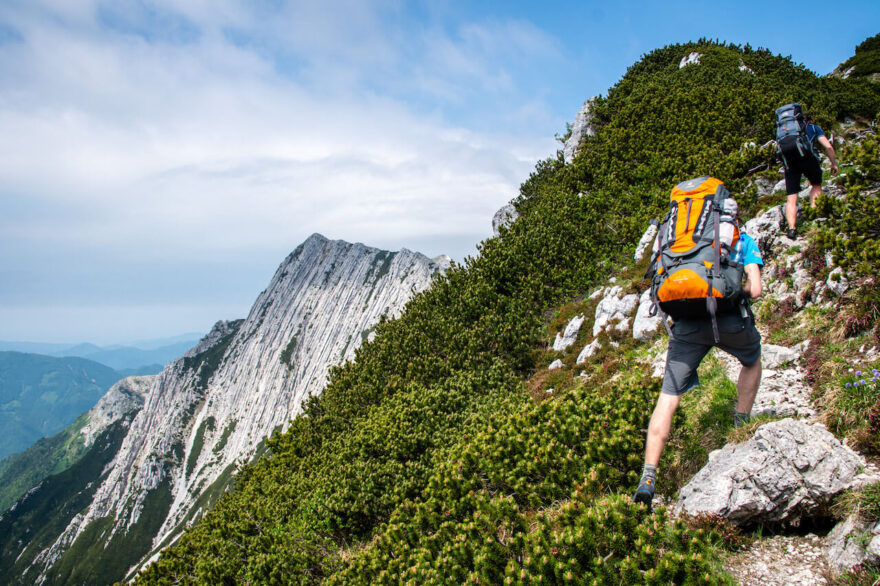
<point>781,560</point>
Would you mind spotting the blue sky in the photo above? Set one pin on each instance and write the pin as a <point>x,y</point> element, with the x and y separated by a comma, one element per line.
<point>159,159</point>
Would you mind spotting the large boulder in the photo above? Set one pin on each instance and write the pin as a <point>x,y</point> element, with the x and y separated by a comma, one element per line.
<point>582,127</point>
<point>788,471</point>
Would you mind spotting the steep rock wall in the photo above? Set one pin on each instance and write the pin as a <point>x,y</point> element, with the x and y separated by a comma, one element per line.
<point>212,408</point>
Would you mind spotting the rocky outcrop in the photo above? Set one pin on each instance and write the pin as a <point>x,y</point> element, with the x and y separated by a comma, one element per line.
<point>765,228</point>
<point>690,59</point>
<point>614,310</point>
<point>852,543</point>
<point>788,470</point>
<point>782,392</point>
<point>580,129</point>
<point>645,242</point>
<point>121,399</point>
<point>503,218</point>
<point>209,411</point>
<point>567,338</point>
<point>837,281</point>
<point>588,351</point>
<point>645,325</point>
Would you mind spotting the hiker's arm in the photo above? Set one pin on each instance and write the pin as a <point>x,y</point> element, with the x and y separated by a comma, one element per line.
<point>752,287</point>
<point>829,150</point>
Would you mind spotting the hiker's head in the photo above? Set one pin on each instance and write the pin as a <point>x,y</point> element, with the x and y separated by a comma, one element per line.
<point>808,118</point>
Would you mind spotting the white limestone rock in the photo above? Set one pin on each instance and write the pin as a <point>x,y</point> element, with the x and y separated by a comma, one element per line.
<point>556,365</point>
<point>121,399</point>
<point>765,228</point>
<point>645,242</point>
<point>690,59</point>
<point>645,325</point>
<point>581,128</point>
<point>588,351</point>
<point>443,262</point>
<point>745,68</point>
<point>568,337</point>
<point>837,281</point>
<point>613,309</point>
<point>658,367</point>
<point>786,472</point>
<point>503,218</point>
<point>851,543</point>
<point>764,186</point>
<point>782,392</point>
<point>773,356</point>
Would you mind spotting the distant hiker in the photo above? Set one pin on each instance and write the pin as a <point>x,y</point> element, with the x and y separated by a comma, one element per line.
<point>795,135</point>
<point>693,256</point>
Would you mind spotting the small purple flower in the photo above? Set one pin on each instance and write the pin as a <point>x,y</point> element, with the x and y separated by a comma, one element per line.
<point>858,373</point>
<point>848,385</point>
<point>863,382</point>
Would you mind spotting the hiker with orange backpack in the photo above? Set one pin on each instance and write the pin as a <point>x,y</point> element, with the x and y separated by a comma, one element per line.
<point>699,261</point>
<point>795,135</point>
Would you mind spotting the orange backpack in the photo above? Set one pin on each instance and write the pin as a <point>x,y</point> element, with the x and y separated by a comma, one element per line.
<point>692,273</point>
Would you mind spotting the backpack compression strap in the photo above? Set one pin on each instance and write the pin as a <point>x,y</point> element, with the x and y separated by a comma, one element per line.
<point>721,194</point>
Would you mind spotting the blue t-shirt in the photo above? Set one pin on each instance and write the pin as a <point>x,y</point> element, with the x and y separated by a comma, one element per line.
<point>813,132</point>
<point>746,251</point>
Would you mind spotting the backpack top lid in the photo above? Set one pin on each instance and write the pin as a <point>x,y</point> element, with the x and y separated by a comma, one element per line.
<point>689,216</point>
<point>793,109</point>
<point>697,188</point>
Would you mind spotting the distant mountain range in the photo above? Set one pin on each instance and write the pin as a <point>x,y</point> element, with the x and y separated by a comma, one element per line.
<point>41,395</point>
<point>141,357</point>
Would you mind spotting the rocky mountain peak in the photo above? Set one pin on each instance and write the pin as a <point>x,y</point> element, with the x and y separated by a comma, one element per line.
<point>210,410</point>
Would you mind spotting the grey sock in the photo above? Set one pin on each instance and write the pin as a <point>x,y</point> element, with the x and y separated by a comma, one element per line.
<point>740,419</point>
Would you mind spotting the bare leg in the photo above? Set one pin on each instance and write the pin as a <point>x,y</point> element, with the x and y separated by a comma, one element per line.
<point>815,191</point>
<point>658,429</point>
<point>791,209</point>
<point>746,388</point>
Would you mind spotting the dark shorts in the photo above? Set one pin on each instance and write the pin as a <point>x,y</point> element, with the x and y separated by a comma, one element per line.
<point>691,341</point>
<point>808,166</point>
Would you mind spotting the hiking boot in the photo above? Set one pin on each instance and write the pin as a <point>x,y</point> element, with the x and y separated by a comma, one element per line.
<point>645,492</point>
<point>740,419</point>
<point>792,234</point>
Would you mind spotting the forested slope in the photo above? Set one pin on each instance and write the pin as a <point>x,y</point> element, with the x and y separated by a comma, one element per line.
<point>427,459</point>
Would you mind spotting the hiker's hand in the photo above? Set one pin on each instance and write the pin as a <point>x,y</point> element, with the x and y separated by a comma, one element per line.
<point>834,168</point>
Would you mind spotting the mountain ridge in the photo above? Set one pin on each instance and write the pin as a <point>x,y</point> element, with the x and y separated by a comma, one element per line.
<point>211,410</point>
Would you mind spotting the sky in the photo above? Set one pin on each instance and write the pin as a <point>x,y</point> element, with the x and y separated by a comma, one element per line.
<point>159,158</point>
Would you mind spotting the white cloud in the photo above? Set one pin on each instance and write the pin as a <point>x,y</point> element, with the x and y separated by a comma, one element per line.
<point>117,139</point>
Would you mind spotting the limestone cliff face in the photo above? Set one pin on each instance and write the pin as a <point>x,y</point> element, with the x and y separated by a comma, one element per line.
<point>213,407</point>
<point>122,398</point>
